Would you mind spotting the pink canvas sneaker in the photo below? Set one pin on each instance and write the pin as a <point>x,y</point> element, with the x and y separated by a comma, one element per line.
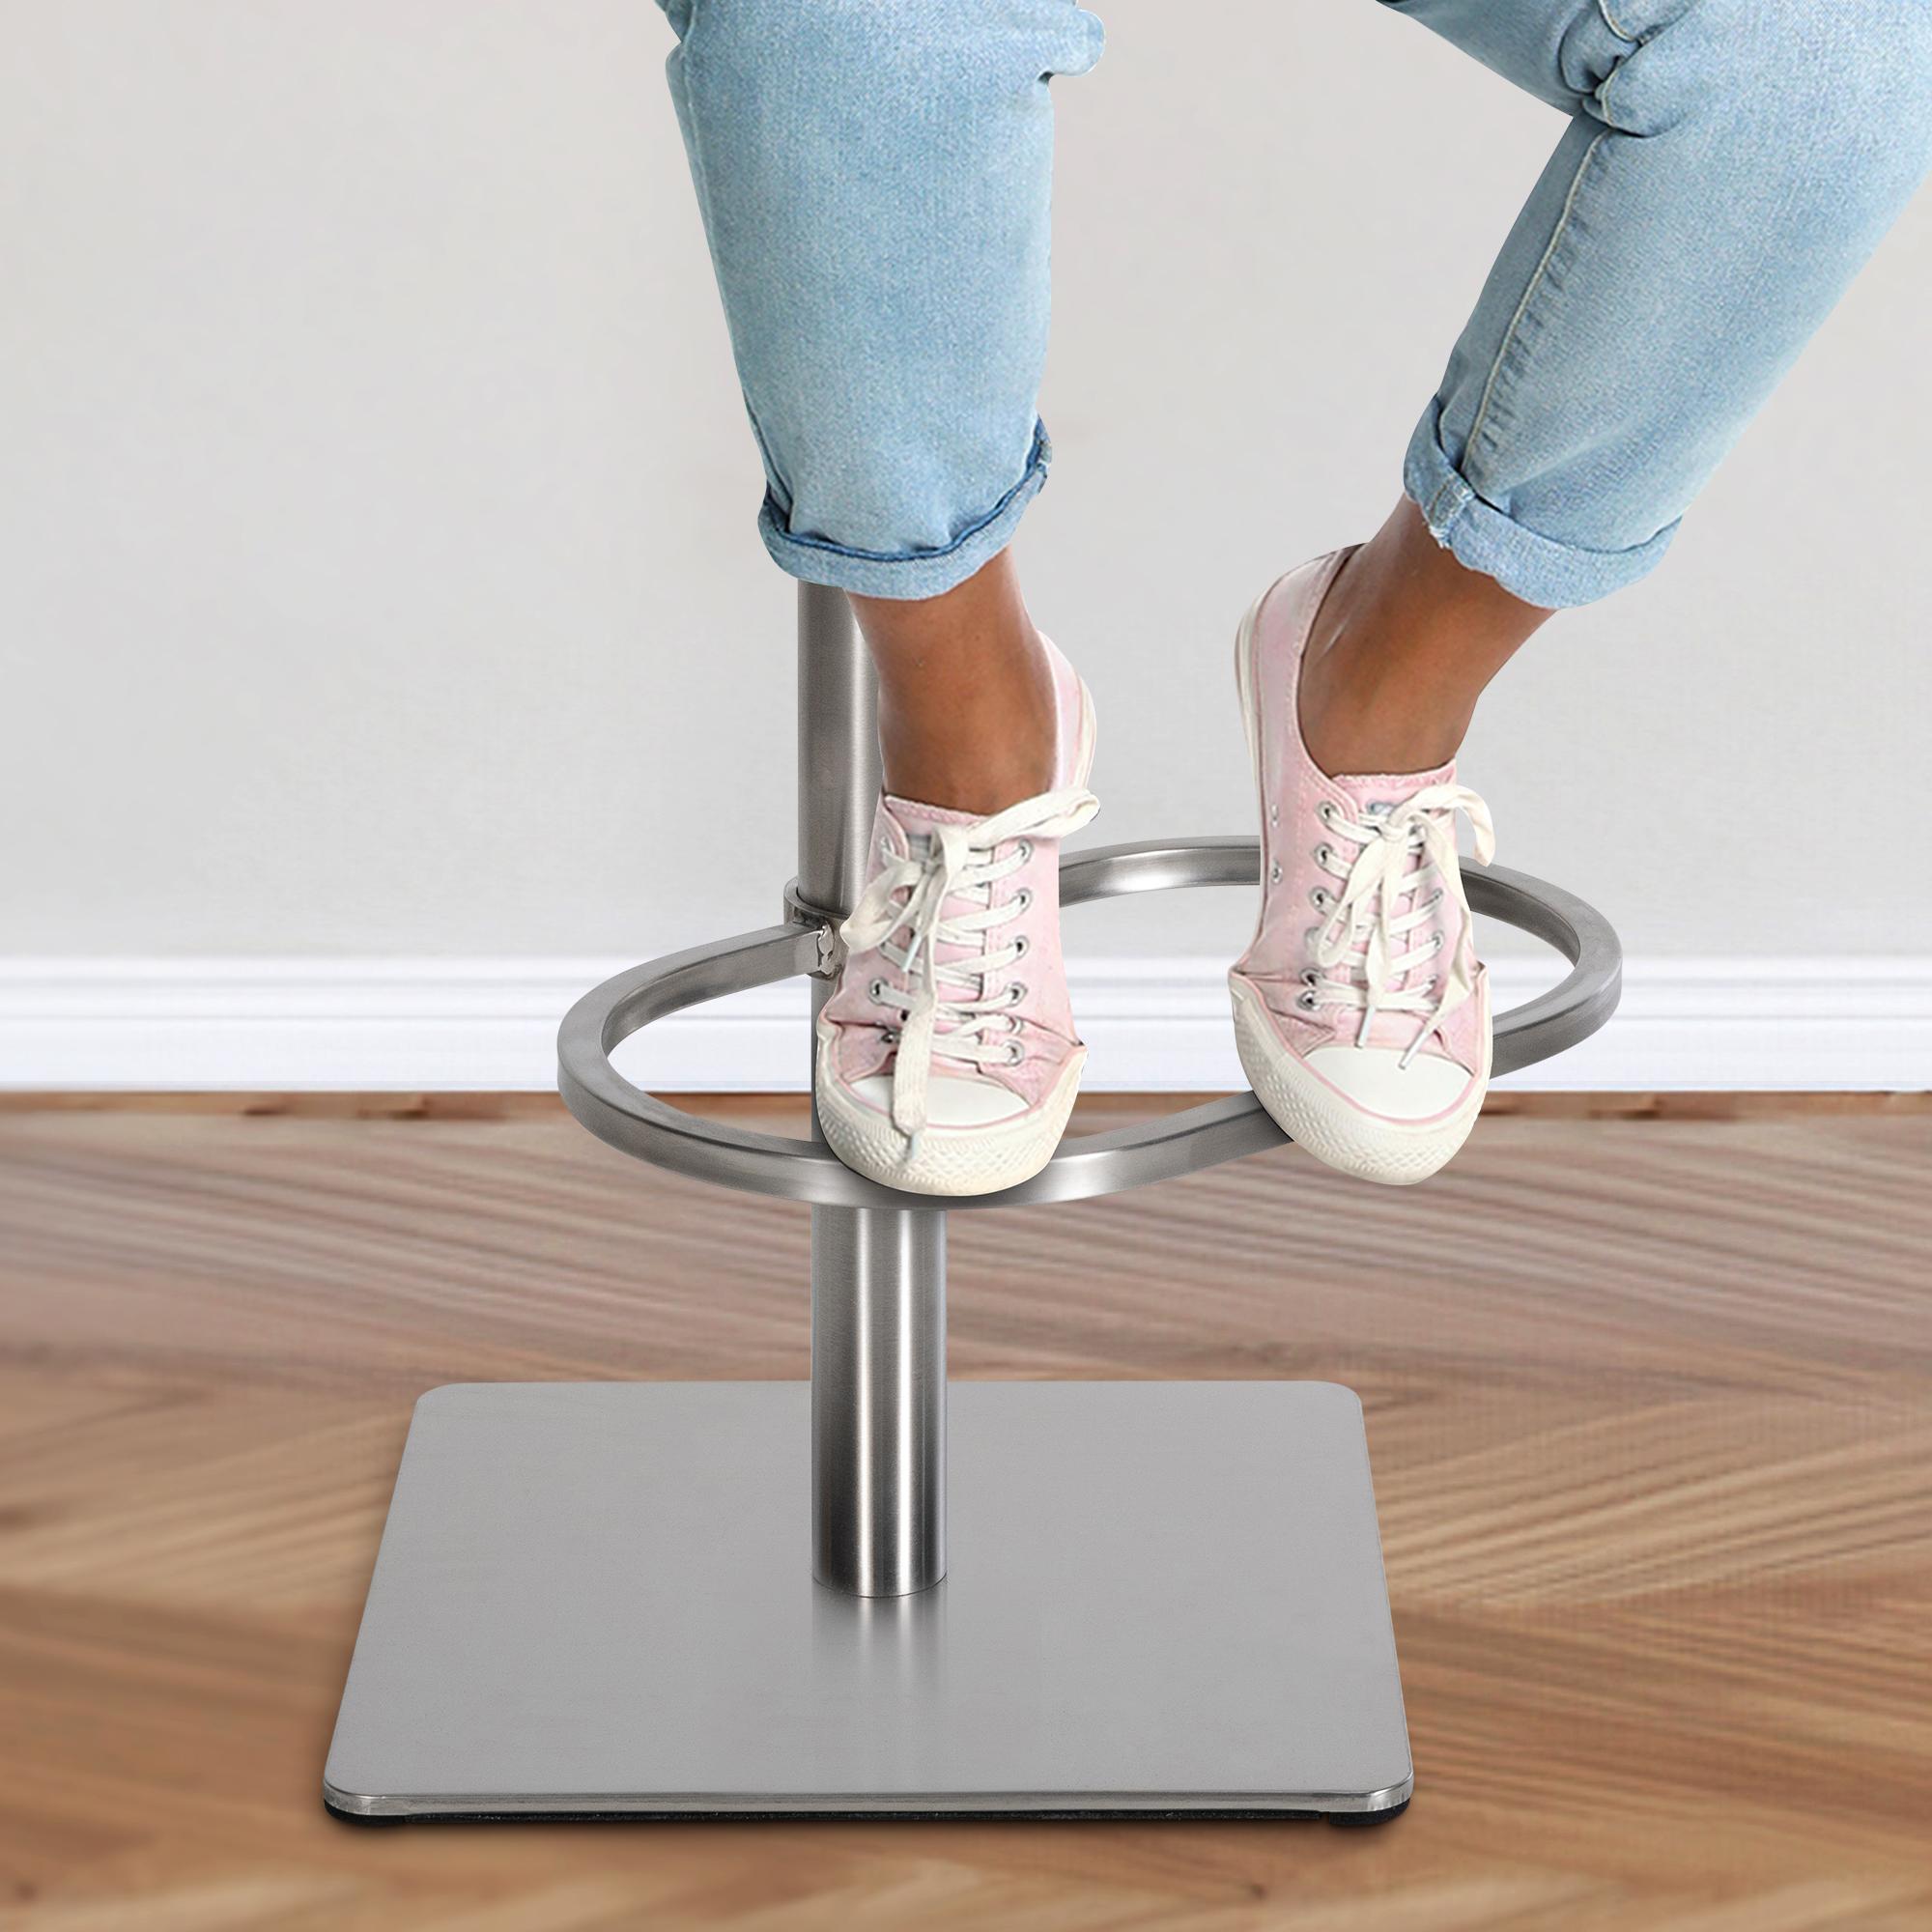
<point>946,1059</point>
<point>1362,1012</point>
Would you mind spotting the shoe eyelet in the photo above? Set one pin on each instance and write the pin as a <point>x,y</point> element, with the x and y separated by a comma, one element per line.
<point>1023,897</point>
<point>1313,933</point>
<point>1430,984</point>
<point>1306,1000</point>
<point>1026,850</point>
<point>1274,874</point>
<point>1019,945</point>
<point>1323,854</point>
<point>1320,899</point>
<point>1274,814</point>
<point>1440,940</point>
<point>1310,974</point>
<point>890,1035</point>
<point>1325,812</point>
<point>1016,1053</point>
<point>1016,992</point>
<point>877,989</point>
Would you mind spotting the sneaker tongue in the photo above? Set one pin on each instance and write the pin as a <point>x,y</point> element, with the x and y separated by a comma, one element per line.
<point>1382,791</point>
<point>916,820</point>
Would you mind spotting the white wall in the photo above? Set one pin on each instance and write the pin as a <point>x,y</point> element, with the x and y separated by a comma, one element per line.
<point>377,570</point>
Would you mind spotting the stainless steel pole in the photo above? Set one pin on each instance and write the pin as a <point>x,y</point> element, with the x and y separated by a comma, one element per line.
<point>878,1274</point>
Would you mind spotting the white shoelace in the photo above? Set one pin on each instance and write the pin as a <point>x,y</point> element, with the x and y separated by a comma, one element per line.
<point>1356,945</point>
<point>964,1025</point>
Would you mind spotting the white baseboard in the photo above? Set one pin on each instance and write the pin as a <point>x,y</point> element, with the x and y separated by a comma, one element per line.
<point>442,1025</point>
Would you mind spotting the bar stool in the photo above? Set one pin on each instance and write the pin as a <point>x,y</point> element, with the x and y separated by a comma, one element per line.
<point>877,1595</point>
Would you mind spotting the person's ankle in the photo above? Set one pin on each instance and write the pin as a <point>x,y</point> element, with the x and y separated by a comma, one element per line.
<point>987,750</point>
<point>962,777</point>
<point>966,704</point>
<point>1361,709</point>
<point>1404,641</point>
<point>1355,726</point>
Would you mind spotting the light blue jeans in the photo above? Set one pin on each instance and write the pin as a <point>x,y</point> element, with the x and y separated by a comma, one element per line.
<point>874,176</point>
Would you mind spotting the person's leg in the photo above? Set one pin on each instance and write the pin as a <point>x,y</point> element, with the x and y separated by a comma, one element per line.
<point>1403,645</point>
<point>966,703</point>
<point>1728,167</point>
<point>874,178</point>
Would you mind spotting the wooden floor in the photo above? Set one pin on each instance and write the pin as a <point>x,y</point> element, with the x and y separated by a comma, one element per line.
<point>1652,1433</point>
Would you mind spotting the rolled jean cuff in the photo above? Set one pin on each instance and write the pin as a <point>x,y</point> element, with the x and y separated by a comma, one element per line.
<point>1538,569</point>
<point>908,574</point>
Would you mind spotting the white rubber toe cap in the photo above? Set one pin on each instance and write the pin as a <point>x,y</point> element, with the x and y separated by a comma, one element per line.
<point>949,1103</point>
<point>1375,1079</point>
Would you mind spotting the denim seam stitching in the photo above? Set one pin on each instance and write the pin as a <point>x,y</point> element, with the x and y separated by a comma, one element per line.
<point>1615,25</point>
<point>1602,98</point>
<point>701,182</point>
<point>1528,295</point>
<point>1036,468</point>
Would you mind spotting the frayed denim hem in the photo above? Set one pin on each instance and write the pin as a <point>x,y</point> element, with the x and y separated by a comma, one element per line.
<point>924,573</point>
<point>1551,575</point>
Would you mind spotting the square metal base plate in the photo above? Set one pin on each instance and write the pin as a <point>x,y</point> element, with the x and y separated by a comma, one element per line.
<point>596,1598</point>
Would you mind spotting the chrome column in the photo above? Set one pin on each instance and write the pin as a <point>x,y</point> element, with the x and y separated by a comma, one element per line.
<point>878,1274</point>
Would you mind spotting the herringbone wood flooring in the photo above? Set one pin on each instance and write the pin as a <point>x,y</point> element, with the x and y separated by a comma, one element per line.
<point>1653,1441</point>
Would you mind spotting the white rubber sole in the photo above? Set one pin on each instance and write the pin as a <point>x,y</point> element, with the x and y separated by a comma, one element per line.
<point>1393,1153</point>
<point>949,1160</point>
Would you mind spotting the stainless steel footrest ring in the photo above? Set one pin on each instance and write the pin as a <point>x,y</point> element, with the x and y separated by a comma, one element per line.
<point>1087,1164</point>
